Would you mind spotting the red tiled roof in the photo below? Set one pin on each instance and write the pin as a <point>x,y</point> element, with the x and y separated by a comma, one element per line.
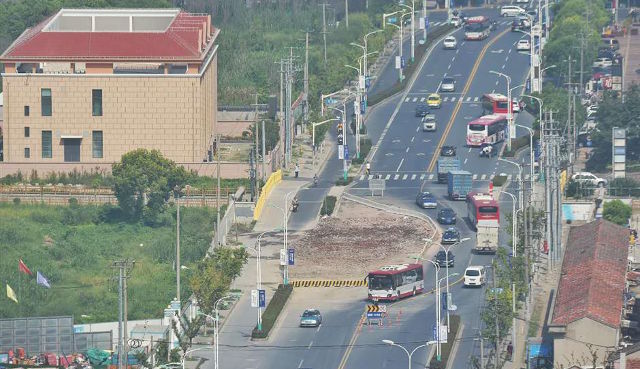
<point>593,274</point>
<point>183,40</point>
<point>633,363</point>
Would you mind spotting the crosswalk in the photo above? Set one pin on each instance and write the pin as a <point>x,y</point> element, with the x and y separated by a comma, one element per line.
<point>501,22</point>
<point>452,99</point>
<point>425,177</point>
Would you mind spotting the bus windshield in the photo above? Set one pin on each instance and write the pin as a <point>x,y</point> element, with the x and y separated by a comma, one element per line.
<point>380,282</point>
<point>477,127</point>
<point>502,105</point>
<point>488,209</point>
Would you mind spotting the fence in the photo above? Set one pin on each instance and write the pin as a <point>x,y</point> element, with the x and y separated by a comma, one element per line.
<point>226,222</point>
<point>274,179</point>
<point>60,195</point>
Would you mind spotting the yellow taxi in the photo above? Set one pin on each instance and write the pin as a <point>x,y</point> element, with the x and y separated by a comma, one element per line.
<point>434,101</point>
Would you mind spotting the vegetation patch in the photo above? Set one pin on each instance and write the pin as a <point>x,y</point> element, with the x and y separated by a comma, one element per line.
<point>272,311</point>
<point>343,182</point>
<point>445,348</point>
<point>328,205</point>
<point>499,180</point>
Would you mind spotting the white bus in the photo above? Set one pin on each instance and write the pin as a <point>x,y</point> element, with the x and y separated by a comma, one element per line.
<point>394,282</point>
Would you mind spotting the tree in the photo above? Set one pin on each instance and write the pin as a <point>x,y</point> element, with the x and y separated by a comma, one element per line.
<point>189,330</point>
<point>617,212</point>
<point>143,182</point>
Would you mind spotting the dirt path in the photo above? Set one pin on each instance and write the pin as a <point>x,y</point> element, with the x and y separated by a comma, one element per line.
<point>357,240</point>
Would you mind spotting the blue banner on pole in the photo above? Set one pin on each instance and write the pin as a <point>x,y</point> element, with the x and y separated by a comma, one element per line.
<point>262,298</point>
<point>346,152</point>
<point>291,256</point>
<point>444,300</point>
<point>402,62</point>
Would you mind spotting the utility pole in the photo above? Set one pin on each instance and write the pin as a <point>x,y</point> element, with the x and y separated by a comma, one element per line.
<point>324,30</point>
<point>306,79</point>
<point>177,198</point>
<point>124,268</point>
<point>264,150</point>
<point>346,12</point>
<point>256,127</point>
<point>495,304</point>
<point>218,190</point>
<point>547,191</point>
<point>481,351</point>
<point>281,92</point>
<point>581,90</point>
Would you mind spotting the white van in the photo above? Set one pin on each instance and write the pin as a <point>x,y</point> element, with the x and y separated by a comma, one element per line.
<point>511,11</point>
<point>475,275</point>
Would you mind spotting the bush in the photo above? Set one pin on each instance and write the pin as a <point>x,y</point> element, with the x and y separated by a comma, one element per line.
<point>16,201</point>
<point>624,187</point>
<point>342,182</point>
<point>516,145</point>
<point>365,147</point>
<point>499,180</point>
<point>617,212</point>
<point>328,205</point>
<point>272,311</point>
<point>578,190</point>
<point>446,347</point>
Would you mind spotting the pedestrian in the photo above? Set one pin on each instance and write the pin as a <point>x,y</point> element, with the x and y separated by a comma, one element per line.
<point>297,170</point>
<point>510,350</point>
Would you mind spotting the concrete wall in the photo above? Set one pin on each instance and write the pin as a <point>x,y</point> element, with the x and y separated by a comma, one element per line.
<point>571,349</point>
<point>174,114</point>
<point>578,210</point>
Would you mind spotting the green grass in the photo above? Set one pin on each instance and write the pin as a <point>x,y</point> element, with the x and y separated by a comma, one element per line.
<point>75,247</point>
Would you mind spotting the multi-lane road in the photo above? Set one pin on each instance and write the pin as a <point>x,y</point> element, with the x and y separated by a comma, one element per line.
<point>406,156</point>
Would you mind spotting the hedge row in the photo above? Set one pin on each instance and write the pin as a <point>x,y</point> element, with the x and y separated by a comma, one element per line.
<point>365,147</point>
<point>272,311</point>
<point>410,68</point>
<point>328,205</point>
<point>445,349</point>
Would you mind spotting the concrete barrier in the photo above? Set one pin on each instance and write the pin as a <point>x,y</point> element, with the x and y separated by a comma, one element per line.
<point>273,180</point>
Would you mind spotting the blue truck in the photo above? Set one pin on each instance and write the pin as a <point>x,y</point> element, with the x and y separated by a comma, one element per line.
<point>445,165</point>
<point>460,184</point>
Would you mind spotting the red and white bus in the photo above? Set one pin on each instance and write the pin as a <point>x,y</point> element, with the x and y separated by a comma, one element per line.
<point>393,282</point>
<point>495,104</point>
<point>477,28</point>
<point>482,207</point>
<point>488,129</point>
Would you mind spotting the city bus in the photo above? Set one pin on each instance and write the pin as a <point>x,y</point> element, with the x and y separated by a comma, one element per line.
<point>487,129</point>
<point>393,282</point>
<point>494,104</point>
<point>477,28</point>
<point>482,207</point>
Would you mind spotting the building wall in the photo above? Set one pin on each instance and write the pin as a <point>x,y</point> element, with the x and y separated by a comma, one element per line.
<point>171,113</point>
<point>572,349</point>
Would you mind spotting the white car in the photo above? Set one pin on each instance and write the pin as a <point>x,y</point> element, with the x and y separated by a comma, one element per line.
<point>523,45</point>
<point>450,42</point>
<point>456,21</point>
<point>511,11</point>
<point>475,275</point>
<point>602,63</point>
<point>522,1</point>
<point>589,178</point>
<point>524,21</point>
<point>448,84</point>
<point>515,106</point>
<point>429,123</point>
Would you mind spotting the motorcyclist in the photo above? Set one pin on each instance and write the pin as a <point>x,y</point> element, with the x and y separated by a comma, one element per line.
<point>294,204</point>
<point>368,168</point>
<point>315,179</point>
<point>487,150</point>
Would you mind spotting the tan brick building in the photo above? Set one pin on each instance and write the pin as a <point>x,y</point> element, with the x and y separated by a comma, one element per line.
<point>86,86</point>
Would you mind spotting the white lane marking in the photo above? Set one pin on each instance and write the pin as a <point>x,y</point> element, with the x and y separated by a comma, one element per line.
<point>507,59</point>
<point>418,129</point>
<point>399,165</point>
<point>462,44</point>
<point>446,98</point>
<point>493,91</point>
<point>407,99</point>
<point>431,176</point>
<point>413,176</point>
<point>413,138</point>
<point>503,65</point>
<point>457,51</point>
<point>510,51</point>
<point>310,344</point>
<point>404,177</point>
<point>497,82</point>
<point>465,160</point>
<point>370,178</point>
<point>422,177</point>
<point>453,99</point>
<point>509,177</point>
<point>469,150</point>
<point>422,99</point>
<point>468,98</point>
<point>320,326</point>
<point>387,177</point>
<point>484,176</point>
<point>476,98</point>
<point>362,177</point>
<point>449,67</point>
<point>453,59</point>
<point>415,99</point>
<point>407,150</point>
<point>395,178</point>
<point>300,365</point>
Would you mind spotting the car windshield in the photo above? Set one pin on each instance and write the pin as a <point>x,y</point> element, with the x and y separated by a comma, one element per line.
<point>472,273</point>
<point>432,98</point>
<point>446,212</point>
<point>310,313</point>
<point>450,233</point>
<point>425,194</point>
<point>477,127</point>
<point>441,255</point>
<point>380,282</point>
<point>448,80</point>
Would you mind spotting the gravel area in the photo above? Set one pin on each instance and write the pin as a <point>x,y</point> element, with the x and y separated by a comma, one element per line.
<point>355,241</point>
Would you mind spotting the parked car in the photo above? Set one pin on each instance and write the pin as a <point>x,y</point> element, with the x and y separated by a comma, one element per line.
<point>451,235</point>
<point>474,275</point>
<point>434,101</point>
<point>311,318</point>
<point>589,178</point>
<point>602,62</point>
<point>450,42</point>
<point>422,110</point>
<point>444,258</point>
<point>426,200</point>
<point>448,84</point>
<point>523,45</point>
<point>446,216</point>
<point>448,150</point>
<point>429,123</point>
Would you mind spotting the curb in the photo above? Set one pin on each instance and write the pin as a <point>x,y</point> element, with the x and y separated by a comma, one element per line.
<point>454,348</point>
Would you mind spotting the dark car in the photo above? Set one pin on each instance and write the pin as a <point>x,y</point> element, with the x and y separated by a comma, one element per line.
<point>442,258</point>
<point>426,200</point>
<point>451,235</point>
<point>493,25</point>
<point>448,150</point>
<point>446,216</point>
<point>422,110</point>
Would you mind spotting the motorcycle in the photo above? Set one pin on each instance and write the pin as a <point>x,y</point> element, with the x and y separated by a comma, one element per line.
<point>294,207</point>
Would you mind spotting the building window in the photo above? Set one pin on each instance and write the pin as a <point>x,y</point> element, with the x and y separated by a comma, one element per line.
<point>27,153</point>
<point>27,132</point>
<point>45,102</point>
<point>96,102</point>
<point>26,110</point>
<point>46,145</point>
<point>97,144</point>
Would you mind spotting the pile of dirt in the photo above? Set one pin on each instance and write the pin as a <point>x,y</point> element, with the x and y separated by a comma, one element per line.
<point>356,241</point>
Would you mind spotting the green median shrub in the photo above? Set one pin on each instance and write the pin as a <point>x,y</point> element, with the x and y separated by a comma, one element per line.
<point>342,182</point>
<point>328,205</point>
<point>445,348</point>
<point>272,311</point>
<point>499,180</point>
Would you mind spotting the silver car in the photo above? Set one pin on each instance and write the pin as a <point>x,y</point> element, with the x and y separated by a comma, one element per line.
<point>448,84</point>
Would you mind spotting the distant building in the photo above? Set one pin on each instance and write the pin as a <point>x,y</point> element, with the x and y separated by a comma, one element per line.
<point>588,306</point>
<point>86,86</point>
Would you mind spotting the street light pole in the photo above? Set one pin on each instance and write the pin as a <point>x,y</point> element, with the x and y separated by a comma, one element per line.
<point>259,278</point>
<point>530,153</point>
<point>446,253</point>
<point>438,352</point>
<point>176,190</point>
<point>509,108</point>
<point>514,240</point>
<point>521,187</point>
<point>409,354</point>
<point>384,17</point>
<point>184,356</point>
<point>413,33</point>
<point>313,140</point>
